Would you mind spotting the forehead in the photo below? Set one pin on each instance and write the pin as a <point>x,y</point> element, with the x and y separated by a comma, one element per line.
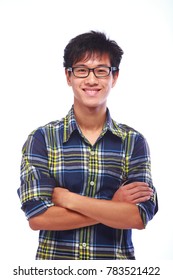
<point>99,58</point>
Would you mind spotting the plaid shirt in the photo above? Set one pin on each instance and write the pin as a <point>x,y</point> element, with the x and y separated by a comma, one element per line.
<point>57,154</point>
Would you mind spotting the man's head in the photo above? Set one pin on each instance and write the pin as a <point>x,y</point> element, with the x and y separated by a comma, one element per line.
<point>85,46</point>
<point>91,64</point>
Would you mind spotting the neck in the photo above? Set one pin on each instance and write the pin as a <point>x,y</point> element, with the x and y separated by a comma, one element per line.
<point>90,119</point>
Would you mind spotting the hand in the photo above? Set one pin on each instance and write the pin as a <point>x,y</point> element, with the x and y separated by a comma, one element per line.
<point>60,196</point>
<point>135,192</point>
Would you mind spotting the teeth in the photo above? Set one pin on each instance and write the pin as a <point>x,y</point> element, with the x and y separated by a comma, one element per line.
<point>91,92</point>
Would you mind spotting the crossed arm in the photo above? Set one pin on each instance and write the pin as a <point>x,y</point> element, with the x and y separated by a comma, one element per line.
<point>75,211</point>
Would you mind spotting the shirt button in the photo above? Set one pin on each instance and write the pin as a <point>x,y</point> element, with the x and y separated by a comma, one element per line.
<point>84,245</point>
<point>92,183</point>
<point>92,153</point>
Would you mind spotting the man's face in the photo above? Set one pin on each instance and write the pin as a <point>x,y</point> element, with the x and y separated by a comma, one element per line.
<point>92,92</point>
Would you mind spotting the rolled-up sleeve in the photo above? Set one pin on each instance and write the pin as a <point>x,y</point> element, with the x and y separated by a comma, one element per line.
<point>36,187</point>
<point>139,169</point>
<point>148,209</point>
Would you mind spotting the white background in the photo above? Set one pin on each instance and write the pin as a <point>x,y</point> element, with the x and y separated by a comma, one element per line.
<point>33,91</point>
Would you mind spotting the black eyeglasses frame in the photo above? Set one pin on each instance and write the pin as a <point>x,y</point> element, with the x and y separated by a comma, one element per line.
<point>111,69</point>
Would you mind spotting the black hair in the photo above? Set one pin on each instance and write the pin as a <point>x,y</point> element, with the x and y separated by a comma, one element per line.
<point>87,44</point>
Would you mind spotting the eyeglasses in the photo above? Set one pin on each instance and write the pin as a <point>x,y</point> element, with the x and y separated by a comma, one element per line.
<point>99,72</point>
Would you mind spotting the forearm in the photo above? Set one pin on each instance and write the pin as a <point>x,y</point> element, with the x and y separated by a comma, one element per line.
<point>120,215</point>
<point>58,218</point>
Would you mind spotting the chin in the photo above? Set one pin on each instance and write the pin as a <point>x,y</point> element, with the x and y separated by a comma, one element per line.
<point>95,105</point>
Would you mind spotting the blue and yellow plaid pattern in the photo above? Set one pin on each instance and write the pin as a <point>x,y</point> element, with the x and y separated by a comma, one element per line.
<point>57,154</point>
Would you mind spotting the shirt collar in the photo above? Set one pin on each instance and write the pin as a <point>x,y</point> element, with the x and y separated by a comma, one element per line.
<point>114,127</point>
<point>71,125</point>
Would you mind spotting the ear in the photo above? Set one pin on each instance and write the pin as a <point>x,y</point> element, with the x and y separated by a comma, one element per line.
<point>68,77</point>
<point>115,77</point>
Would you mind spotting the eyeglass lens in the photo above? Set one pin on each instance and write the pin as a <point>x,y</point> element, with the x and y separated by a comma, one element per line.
<point>84,71</point>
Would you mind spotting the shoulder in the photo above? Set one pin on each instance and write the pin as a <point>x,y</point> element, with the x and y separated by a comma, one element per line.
<point>127,131</point>
<point>132,137</point>
<point>50,127</point>
<point>46,135</point>
<point>135,141</point>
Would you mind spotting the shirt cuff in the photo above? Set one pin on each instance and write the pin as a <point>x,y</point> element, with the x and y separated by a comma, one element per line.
<point>147,210</point>
<point>36,206</point>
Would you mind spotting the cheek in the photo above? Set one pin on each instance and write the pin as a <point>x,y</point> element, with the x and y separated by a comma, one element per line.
<point>114,81</point>
<point>110,85</point>
<point>76,89</point>
<point>74,86</point>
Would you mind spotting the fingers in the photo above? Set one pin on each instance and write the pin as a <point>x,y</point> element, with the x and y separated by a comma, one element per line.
<point>57,194</point>
<point>138,189</point>
<point>135,192</point>
<point>140,197</point>
<point>140,192</point>
<point>134,185</point>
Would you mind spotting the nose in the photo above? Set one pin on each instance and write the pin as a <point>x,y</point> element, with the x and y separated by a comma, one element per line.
<point>92,79</point>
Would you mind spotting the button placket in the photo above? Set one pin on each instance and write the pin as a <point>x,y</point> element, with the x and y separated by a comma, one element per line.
<point>84,247</point>
<point>92,154</point>
<point>91,183</point>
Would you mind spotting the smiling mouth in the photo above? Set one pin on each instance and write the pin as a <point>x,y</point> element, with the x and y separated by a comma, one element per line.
<point>91,92</point>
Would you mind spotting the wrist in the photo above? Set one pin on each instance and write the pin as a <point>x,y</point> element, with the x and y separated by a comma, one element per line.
<point>71,200</point>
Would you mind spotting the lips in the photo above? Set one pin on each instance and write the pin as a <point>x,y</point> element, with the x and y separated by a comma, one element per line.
<point>91,92</point>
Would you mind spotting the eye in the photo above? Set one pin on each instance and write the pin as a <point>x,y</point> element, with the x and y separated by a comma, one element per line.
<point>81,70</point>
<point>102,71</point>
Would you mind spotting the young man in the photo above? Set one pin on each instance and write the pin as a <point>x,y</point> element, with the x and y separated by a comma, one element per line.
<point>86,180</point>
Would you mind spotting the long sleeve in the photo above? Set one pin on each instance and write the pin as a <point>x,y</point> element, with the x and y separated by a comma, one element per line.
<point>36,183</point>
<point>139,169</point>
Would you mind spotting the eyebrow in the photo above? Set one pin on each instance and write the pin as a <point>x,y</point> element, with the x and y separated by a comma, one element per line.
<point>84,65</point>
